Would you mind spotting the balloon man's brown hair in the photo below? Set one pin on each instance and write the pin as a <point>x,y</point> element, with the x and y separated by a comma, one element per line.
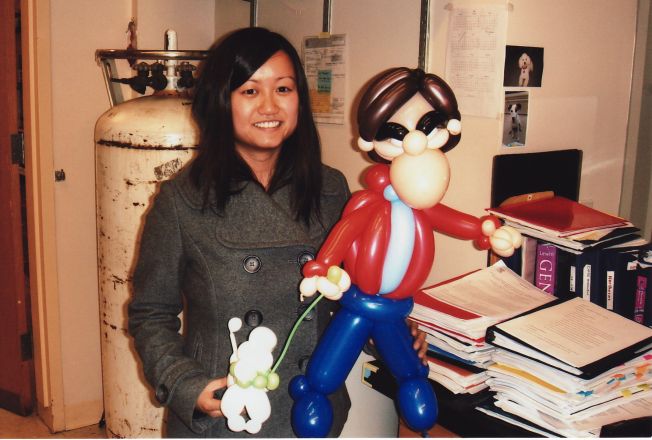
<point>393,88</point>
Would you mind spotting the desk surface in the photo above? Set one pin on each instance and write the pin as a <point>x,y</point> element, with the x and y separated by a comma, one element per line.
<point>437,431</point>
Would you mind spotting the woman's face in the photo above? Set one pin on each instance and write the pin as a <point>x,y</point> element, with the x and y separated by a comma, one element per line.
<point>265,108</point>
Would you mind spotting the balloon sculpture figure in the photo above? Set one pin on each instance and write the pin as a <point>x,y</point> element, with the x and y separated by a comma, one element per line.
<point>407,120</point>
<point>249,379</point>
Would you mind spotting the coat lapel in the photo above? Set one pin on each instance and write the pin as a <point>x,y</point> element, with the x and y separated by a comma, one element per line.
<point>253,218</point>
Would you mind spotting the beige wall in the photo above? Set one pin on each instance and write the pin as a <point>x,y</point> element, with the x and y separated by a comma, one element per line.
<point>584,102</point>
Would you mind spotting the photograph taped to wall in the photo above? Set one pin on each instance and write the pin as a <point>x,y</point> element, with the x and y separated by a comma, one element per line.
<point>516,118</point>
<point>324,59</point>
<point>523,66</point>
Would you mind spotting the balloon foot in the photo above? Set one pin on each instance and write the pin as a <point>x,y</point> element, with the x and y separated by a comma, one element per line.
<point>424,434</point>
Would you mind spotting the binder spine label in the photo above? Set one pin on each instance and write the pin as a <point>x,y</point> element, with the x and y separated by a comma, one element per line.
<point>586,282</point>
<point>571,279</point>
<point>610,289</point>
<point>639,304</point>
<point>546,268</point>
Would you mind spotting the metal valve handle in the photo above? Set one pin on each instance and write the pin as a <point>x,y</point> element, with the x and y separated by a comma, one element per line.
<point>107,57</point>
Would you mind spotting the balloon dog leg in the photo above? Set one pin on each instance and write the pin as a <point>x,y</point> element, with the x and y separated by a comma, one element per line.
<point>328,368</point>
<point>415,397</point>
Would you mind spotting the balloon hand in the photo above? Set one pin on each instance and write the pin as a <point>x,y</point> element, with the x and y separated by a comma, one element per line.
<point>504,240</point>
<point>332,286</point>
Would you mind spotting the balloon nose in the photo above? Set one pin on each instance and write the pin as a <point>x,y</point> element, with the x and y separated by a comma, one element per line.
<point>415,142</point>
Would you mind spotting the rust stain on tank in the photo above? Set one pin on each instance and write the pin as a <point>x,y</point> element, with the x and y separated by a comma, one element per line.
<point>117,280</point>
<point>129,182</point>
<point>132,146</point>
<point>167,169</point>
<point>145,430</point>
<point>113,327</point>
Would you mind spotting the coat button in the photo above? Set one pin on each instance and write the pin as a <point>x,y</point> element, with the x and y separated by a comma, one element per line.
<point>251,264</point>
<point>253,318</point>
<point>302,308</point>
<point>162,393</point>
<point>304,257</point>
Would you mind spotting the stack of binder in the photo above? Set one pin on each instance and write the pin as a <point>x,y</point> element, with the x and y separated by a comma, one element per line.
<point>554,366</point>
<point>568,368</point>
<point>565,222</point>
<point>455,322</point>
<point>571,249</point>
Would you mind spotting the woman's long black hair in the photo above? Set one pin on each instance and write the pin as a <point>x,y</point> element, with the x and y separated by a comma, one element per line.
<point>218,170</point>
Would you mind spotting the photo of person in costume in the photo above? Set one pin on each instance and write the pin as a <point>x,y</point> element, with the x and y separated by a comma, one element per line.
<point>407,120</point>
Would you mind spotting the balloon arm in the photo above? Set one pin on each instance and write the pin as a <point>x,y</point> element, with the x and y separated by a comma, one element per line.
<point>339,241</point>
<point>453,222</point>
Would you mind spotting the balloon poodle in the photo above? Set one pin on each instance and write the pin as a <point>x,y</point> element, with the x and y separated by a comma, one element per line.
<point>407,120</point>
<point>249,379</point>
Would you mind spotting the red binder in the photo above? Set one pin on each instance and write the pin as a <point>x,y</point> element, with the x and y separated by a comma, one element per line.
<point>557,216</point>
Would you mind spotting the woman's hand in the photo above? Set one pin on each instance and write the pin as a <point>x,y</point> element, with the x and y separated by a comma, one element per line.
<point>420,344</point>
<point>206,402</point>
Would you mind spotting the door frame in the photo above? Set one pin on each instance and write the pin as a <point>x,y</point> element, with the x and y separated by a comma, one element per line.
<point>39,176</point>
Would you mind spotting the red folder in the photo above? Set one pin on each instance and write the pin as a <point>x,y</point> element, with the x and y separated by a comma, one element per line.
<point>557,215</point>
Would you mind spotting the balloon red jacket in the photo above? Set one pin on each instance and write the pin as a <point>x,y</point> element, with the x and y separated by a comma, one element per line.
<point>360,238</point>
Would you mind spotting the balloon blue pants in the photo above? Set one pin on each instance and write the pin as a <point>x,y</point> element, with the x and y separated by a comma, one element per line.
<point>362,317</point>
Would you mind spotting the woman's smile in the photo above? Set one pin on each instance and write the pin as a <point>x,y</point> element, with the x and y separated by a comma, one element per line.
<point>268,124</point>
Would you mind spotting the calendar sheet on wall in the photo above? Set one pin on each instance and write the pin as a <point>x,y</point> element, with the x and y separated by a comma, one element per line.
<point>475,56</point>
<point>324,59</point>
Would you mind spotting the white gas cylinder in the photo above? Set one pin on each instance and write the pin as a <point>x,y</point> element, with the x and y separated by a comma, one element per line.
<point>138,144</point>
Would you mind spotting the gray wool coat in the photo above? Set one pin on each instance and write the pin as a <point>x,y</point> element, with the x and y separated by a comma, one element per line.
<point>243,263</point>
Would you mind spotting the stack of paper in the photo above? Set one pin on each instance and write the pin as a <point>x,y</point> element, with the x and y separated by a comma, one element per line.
<point>457,376</point>
<point>570,367</point>
<point>566,405</point>
<point>456,314</point>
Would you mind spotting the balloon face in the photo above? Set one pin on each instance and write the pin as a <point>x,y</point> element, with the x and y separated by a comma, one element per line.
<point>389,143</point>
<point>420,181</point>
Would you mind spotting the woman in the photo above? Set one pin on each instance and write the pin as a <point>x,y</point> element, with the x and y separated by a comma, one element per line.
<point>228,235</point>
